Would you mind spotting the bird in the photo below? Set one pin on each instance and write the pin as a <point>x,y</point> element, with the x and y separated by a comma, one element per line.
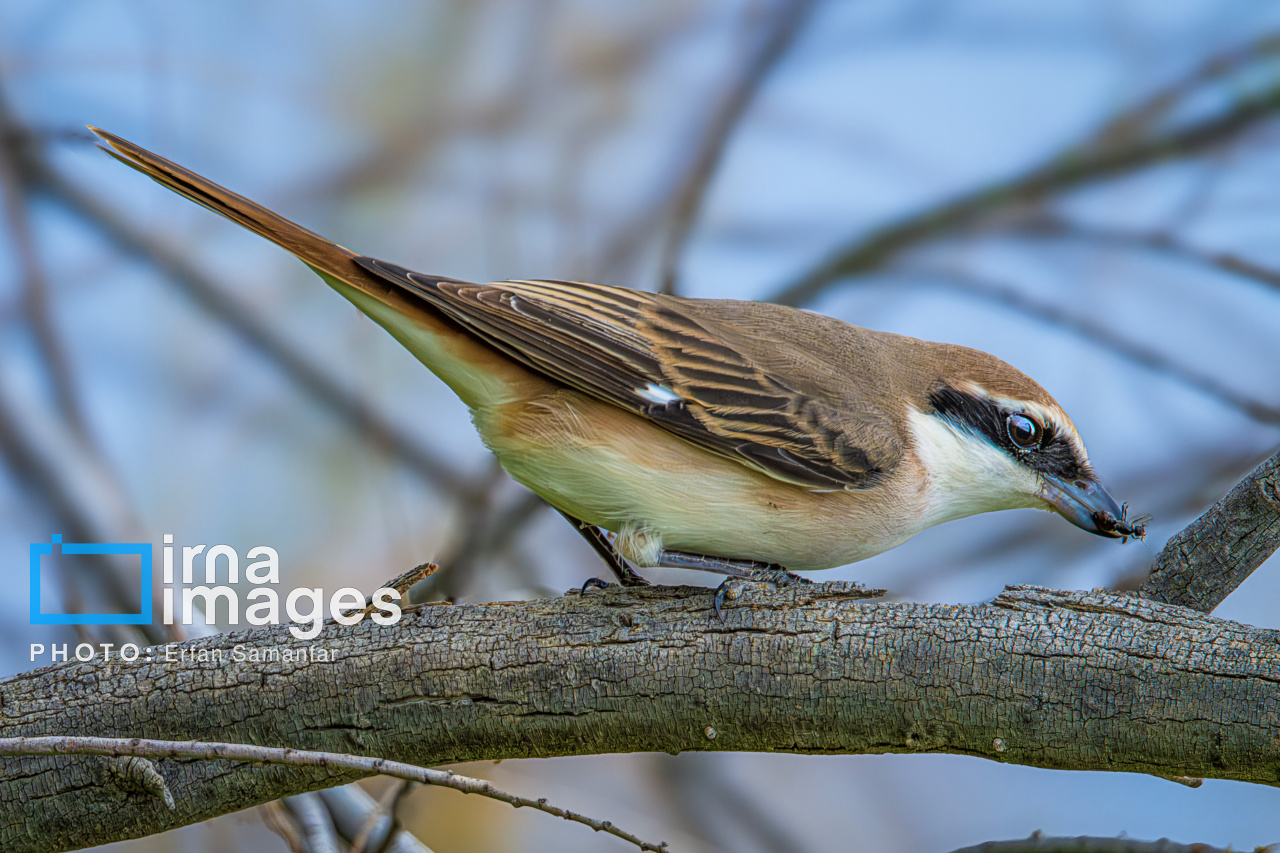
<point>744,438</point>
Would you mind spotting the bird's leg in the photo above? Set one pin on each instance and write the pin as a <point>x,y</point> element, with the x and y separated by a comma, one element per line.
<point>600,543</point>
<point>748,570</point>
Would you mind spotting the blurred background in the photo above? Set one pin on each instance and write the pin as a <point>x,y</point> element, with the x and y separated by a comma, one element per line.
<point>1089,191</point>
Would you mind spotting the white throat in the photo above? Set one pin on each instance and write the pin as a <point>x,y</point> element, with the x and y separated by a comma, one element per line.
<point>965,474</point>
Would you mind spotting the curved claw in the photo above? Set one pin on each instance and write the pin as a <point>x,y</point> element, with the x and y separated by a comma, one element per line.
<point>592,583</point>
<point>717,603</point>
<point>772,575</point>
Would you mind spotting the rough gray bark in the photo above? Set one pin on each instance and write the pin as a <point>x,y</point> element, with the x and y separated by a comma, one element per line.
<point>1062,680</point>
<point>1202,564</point>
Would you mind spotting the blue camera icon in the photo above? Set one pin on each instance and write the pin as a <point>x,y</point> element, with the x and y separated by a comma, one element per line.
<point>142,549</point>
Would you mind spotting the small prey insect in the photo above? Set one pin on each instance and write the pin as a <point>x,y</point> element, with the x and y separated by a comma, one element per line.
<point>1124,526</point>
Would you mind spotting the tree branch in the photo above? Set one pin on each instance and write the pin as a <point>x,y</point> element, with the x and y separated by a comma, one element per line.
<point>1050,679</point>
<point>1203,563</point>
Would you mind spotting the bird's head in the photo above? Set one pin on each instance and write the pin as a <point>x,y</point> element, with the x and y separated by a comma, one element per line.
<point>991,438</point>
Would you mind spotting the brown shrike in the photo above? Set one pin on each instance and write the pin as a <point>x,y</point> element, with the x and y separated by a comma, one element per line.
<point>737,437</point>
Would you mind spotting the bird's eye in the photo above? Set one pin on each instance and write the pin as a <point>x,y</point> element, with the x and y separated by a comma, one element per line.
<point>1023,431</point>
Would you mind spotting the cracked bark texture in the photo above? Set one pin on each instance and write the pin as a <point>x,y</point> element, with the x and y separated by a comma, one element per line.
<point>1206,561</point>
<point>1052,679</point>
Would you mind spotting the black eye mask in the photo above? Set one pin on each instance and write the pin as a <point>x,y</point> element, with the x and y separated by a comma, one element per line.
<point>1040,447</point>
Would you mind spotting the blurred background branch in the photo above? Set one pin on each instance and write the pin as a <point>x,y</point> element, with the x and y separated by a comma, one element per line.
<point>1126,143</point>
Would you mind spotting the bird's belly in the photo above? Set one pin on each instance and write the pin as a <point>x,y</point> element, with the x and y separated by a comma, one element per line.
<point>609,467</point>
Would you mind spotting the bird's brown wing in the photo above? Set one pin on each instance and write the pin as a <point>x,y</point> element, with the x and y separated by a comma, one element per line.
<point>644,355</point>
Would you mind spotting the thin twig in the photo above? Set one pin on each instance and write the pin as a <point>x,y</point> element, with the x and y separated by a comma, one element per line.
<point>1068,170</point>
<point>789,17</point>
<point>1086,328</point>
<point>206,751</point>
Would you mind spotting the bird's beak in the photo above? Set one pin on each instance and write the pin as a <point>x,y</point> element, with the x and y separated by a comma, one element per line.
<point>1084,503</point>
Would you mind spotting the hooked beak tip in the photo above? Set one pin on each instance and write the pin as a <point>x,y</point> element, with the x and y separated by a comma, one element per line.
<point>1086,504</point>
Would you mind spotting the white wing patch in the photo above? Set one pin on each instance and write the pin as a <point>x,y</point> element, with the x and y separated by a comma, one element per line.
<point>660,394</point>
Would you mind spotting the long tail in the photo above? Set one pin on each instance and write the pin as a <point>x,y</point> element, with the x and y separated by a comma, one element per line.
<point>311,248</point>
<point>478,374</point>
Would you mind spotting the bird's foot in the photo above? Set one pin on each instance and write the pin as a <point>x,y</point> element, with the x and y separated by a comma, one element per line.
<point>751,571</point>
<point>770,574</point>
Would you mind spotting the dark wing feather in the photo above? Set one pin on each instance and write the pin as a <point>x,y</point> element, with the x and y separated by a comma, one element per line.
<point>644,355</point>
